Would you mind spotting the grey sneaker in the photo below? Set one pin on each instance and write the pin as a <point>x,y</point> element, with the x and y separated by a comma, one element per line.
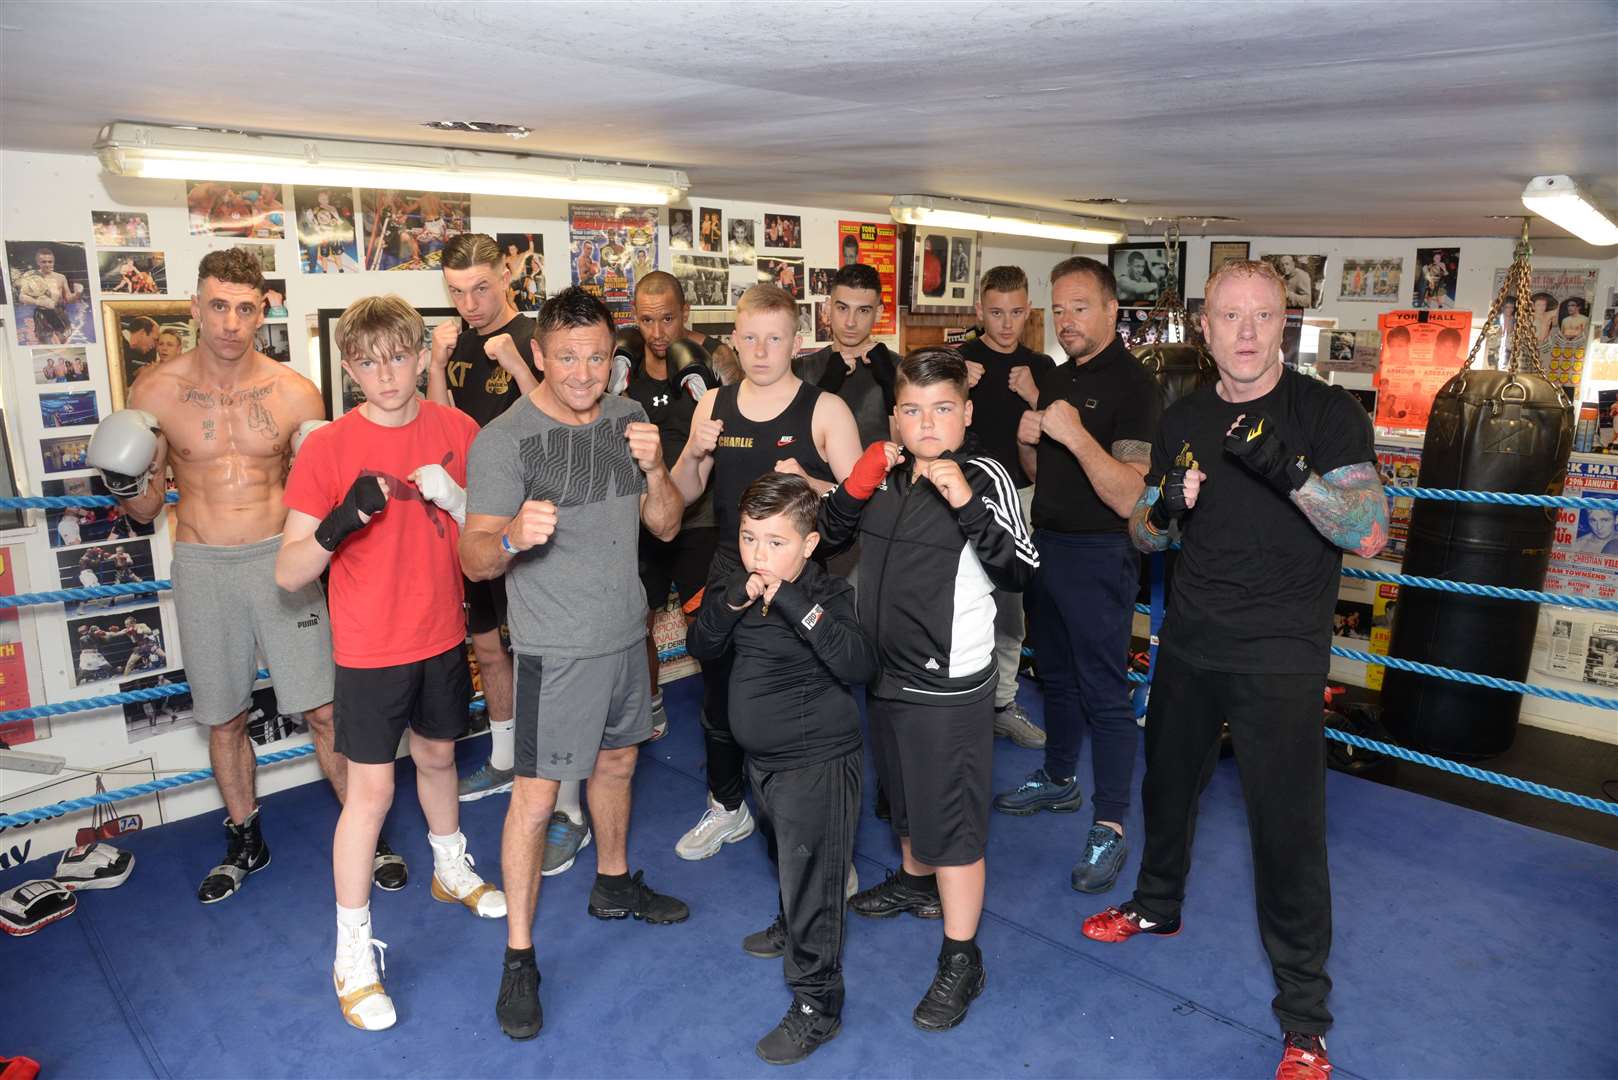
<point>486,781</point>
<point>716,828</point>
<point>660,721</point>
<point>1013,722</point>
<point>563,842</point>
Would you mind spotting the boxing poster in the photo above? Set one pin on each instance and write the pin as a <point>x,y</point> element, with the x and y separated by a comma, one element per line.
<point>944,271</point>
<point>326,231</point>
<point>876,244</point>
<point>407,230</point>
<point>1421,350</point>
<point>50,280</point>
<point>610,248</point>
<point>1561,303</point>
<point>524,255</point>
<point>1399,467</point>
<point>1584,558</point>
<point>244,210</point>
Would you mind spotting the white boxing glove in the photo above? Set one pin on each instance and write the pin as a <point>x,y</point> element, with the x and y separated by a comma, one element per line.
<point>305,429</point>
<point>437,488</point>
<point>124,449</point>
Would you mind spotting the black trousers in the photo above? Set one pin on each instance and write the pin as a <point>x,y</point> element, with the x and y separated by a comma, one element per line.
<point>808,817</point>
<point>724,756</point>
<point>1276,729</point>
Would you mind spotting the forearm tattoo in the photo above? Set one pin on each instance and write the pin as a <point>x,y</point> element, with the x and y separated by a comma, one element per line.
<point>1144,537</point>
<point>1132,451</point>
<point>1348,508</point>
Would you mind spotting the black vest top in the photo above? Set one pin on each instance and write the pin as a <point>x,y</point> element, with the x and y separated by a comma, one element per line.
<point>750,448</point>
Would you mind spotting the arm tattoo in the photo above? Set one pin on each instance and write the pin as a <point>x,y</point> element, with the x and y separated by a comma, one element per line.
<point>1144,537</point>
<point>1132,452</point>
<point>1348,508</point>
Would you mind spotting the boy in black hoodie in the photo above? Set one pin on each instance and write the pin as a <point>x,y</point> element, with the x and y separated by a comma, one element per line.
<point>936,540</point>
<point>797,645</point>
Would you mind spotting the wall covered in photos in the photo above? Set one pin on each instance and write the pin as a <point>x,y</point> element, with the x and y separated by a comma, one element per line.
<point>100,270</point>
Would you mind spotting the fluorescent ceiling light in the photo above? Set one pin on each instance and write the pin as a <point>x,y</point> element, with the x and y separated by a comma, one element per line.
<point>1558,199</point>
<point>238,157</point>
<point>1013,220</point>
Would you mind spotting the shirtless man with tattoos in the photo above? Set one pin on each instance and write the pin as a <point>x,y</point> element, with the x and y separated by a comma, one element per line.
<point>223,417</point>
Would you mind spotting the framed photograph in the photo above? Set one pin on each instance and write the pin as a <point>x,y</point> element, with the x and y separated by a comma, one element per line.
<point>114,646</point>
<point>743,251</point>
<point>326,230</point>
<point>73,409</point>
<point>133,272</point>
<point>50,280</point>
<point>114,563</point>
<point>61,365</point>
<point>273,341</point>
<point>787,273</point>
<point>710,231</point>
<point>66,454</point>
<point>682,233</point>
<point>1142,271</point>
<point>524,255</point>
<point>944,269</point>
<point>783,231</point>
<point>342,393</point>
<point>820,280</point>
<point>77,525</point>
<point>1437,270</point>
<point>1374,279</point>
<point>121,229</point>
<point>141,333</point>
<point>143,719</point>
<point>1304,277</point>
<point>1221,252</point>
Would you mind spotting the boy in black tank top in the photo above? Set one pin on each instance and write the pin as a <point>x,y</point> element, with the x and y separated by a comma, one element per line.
<point>770,421</point>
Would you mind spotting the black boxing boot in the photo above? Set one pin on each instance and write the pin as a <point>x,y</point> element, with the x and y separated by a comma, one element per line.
<point>247,854</point>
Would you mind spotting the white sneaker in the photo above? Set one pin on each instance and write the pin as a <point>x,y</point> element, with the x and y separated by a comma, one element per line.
<point>716,828</point>
<point>457,883</point>
<point>853,882</point>
<point>355,977</point>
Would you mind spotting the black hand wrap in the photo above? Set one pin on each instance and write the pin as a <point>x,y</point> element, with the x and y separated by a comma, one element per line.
<point>1255,443</point>
<point>736,596</point>
<point>364,497</point>
<point>1170,504</point>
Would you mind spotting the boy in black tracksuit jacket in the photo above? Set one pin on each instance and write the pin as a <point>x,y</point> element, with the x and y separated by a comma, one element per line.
<point>797,645</point>
<point>937,538</point>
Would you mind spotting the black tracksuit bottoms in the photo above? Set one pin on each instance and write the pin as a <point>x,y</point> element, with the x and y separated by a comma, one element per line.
<point>808,816</point>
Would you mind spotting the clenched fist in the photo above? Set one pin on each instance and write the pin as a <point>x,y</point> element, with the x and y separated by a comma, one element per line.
<point>1021,381</point>
<point>1030,427</point>
<point>445,334</point>
<point>791,467</point>
<point>645,445</point>
<point>705,436</point>
<point>947,477</point>
<point>1060,421</point>
<point>533,525</point>
<point>503,351</point>
<point>974,373</point>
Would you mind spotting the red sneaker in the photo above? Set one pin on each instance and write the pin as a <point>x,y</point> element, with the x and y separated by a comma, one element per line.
<point>1305,1058</point>
<point>1121,924</point>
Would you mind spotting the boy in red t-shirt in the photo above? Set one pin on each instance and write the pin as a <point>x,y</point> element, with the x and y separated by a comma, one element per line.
<point>379,497</point>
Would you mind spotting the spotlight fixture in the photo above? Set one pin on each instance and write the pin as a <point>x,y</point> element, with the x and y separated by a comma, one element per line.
<point>1559,200</point>
<point>198,154</point>
<point>1012,220</point>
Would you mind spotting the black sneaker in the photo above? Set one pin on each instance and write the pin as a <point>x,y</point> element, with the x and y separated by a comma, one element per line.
<point>639,900</point>
<point>880,806</point>
<point>517,1007</point>
<point>768,943</point>
<point>800,1033</point>
<point>888,899</point>
<point>247,854</point>
<point>388,868</point>
<point>944,1005</point>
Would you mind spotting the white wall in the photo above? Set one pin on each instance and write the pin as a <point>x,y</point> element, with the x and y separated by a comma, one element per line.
<point>50,197</point>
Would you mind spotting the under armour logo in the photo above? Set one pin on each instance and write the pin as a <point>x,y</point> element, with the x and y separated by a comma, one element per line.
<point>659,400</point>
<point>561,759</point>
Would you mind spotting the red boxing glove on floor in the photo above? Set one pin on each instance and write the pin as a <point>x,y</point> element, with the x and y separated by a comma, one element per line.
<point>868,472</point>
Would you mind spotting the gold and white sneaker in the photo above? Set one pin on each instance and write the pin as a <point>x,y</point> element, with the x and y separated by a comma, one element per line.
<point>358,983</point>
<point>457,883</point>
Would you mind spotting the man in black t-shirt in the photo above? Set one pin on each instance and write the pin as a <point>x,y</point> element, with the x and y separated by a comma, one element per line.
<point>855,366</point>
<point>482,363</point>
<point>1087,447</point>
<point>669,393</point>
<point>1270,476</point>
<point>1004,375</point>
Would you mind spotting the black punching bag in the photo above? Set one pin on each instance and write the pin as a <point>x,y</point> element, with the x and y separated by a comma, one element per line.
<point>1488,431</point>
<point>1178,367</point>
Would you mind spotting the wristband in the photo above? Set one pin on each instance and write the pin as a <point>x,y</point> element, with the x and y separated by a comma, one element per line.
<point>505,545</point>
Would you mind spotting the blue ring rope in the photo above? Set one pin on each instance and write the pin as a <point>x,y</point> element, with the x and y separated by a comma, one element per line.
<point>62,502</point>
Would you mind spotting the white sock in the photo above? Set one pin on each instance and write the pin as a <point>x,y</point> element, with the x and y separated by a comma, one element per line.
<point>657,701</point>
<point>567,801</point>
<point>353,922</point>
<point>447,850</point>
<point>503,744</point>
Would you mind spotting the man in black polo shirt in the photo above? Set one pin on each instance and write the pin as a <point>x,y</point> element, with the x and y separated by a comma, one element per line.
<point>1271,475</point>
<point>669,393</point>
<point>482,363</point>
<point>1004,375</point>
<point>1088,448</point>
<point>855,366</point>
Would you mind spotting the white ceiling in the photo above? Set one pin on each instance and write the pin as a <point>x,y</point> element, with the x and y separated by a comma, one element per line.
<point>1373,118</point>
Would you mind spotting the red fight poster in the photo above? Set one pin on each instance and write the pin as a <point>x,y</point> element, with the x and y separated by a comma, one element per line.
<point>1421,350</point>
<point>876,244</point>
<point>13,669</point>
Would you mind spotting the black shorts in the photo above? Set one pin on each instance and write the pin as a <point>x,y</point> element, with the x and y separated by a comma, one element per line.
<point>373,706</point>
<point>936,762</point>
<point>682,562</point>
<point>485,605</point>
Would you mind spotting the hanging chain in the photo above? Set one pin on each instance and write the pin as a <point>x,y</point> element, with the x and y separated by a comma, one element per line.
<point>1522,347</point>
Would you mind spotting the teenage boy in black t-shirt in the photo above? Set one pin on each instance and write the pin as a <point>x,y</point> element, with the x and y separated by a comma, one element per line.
<point>1087,447</point>
<point>1271,475</point>
<point>1004,375</point>
<point>855,366</point>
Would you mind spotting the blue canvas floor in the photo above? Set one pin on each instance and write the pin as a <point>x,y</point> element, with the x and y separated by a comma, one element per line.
<point>1465,946</point>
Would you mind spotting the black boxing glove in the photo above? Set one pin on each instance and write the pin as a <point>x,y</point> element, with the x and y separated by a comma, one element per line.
<point>692,367</point>
<point>1254,442</point>
<point>364,497</point>
<point>1170,505</point>
<point>628,354</point>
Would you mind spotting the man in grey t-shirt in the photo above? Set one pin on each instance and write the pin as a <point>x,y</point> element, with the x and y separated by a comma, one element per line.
<point>558,487</point>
